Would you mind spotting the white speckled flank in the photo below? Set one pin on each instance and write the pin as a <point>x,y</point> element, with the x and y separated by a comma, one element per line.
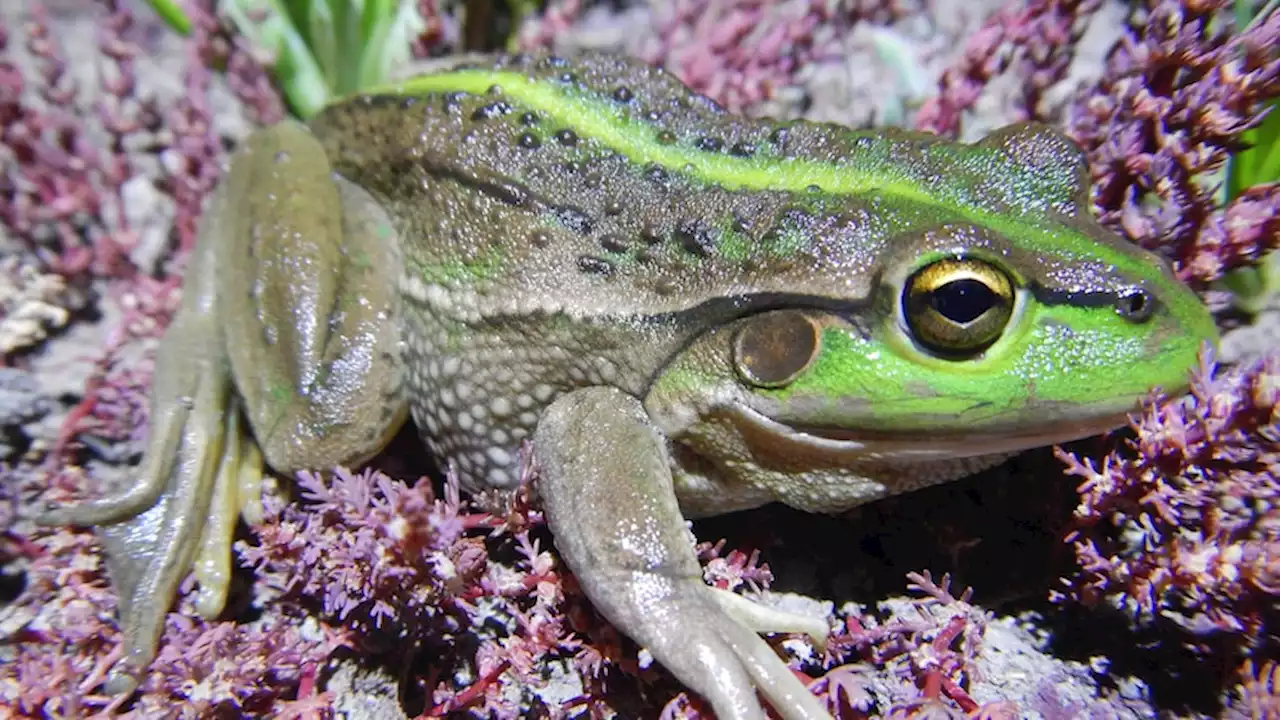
<point>477,387</point>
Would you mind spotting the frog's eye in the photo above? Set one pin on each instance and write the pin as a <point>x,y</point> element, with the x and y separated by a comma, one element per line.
<point>958,307</point>
<point>771,349</point>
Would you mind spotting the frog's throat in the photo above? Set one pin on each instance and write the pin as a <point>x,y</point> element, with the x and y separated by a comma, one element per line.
<point>921,446</point>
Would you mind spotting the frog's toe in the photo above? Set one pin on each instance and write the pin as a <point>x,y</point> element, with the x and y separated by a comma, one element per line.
<point>764,619</point>
<point>237,489</point>
<point>702,647</point>
<point>715,653</point>
<point>149,554</point>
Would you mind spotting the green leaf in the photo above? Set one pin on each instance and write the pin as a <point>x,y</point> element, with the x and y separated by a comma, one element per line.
<point>345,68</point>
<point>300,76</point>
<point>173,15</point>
<point>1259,162</point>
<point>296,71</point>
<point>297,13</point>
<point>375,20</point>
<point>390,27</point>
<point>322,49</point>
<point>324,22</point>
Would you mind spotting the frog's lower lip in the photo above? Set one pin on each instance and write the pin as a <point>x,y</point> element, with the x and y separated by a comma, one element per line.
<point>936,444</point>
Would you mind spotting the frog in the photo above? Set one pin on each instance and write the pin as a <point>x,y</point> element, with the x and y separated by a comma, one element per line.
<point>680,311</point>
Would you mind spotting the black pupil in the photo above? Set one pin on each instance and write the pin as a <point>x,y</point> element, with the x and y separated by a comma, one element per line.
<point>962,301</point>
<point>1133,303</point>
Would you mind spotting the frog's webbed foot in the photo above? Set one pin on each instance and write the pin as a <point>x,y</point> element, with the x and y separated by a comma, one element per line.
<point>607,491</point>
<point>199,472</point>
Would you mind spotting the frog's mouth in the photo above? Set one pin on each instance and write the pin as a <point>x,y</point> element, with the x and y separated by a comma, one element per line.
<point>924,445</point>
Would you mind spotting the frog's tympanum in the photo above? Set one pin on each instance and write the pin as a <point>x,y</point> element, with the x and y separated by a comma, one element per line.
<point>687,313</point>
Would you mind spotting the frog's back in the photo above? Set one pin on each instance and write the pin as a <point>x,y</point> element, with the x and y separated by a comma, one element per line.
<point>540,253</point>
<point>604,186</point>
<point>572,223</point>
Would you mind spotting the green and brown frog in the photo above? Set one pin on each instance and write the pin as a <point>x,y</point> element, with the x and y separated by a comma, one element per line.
<point>687,312</point>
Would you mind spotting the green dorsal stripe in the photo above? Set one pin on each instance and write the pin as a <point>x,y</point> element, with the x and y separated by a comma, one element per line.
<point>604,121</point>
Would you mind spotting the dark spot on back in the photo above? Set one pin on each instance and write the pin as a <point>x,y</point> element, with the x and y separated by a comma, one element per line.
<point>710,144</point>
<point>695,237</point>
<point>623,94</point>
<point>796,217</point>
<point>491,111</point>
<point>573,218</point>
<point>594,265</point>
<point>507,191</point>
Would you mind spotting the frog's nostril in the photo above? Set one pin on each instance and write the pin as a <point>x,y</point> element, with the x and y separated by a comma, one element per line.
<point>1136,306</point>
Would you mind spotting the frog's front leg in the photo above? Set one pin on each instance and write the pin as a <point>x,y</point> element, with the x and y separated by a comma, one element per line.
<point>288,322</point>
<point>607,490</point>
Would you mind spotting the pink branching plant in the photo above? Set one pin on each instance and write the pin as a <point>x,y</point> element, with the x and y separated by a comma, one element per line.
<point>934,651</point>
<point>1178,91</point>
<point>1182,523</point>
<point>738,53</point>
<point>1257,695</point>
<point>66,641</point>
<point>59,191</point>
<point>1038,38</point>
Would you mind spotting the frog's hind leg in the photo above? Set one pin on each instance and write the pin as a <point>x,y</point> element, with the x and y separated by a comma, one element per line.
<point>149,530</point>
<point>318,387</point>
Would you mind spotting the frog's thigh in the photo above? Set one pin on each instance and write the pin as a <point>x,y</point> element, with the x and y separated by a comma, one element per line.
<point>607,491</point>
<point>310,310</point>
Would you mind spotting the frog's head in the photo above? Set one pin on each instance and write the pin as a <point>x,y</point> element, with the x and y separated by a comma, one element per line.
<point>1014,321</point>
